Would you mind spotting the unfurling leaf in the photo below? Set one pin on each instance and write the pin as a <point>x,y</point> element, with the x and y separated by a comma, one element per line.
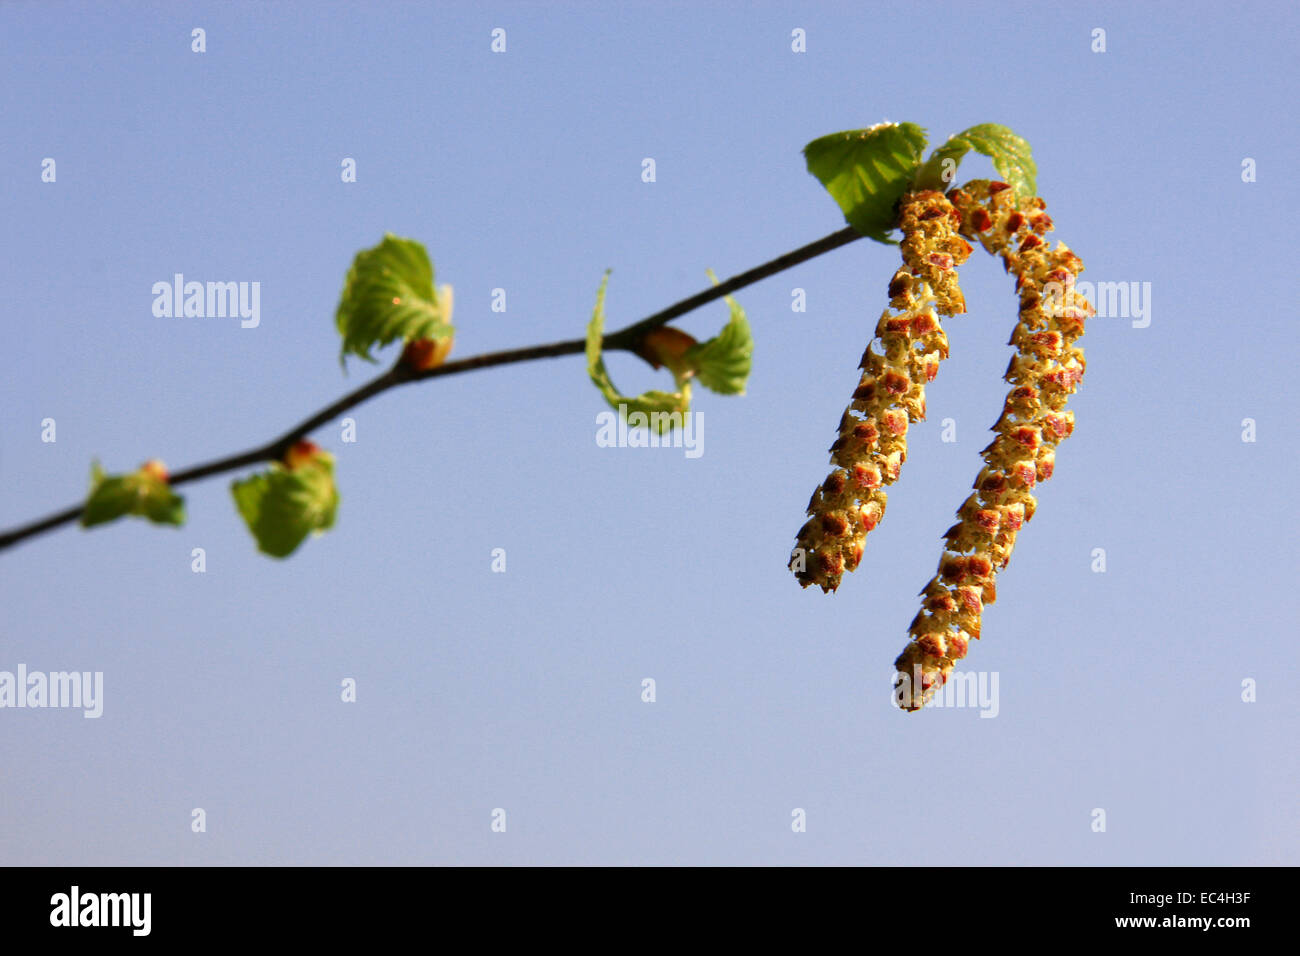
<point>867,171</point>
<point>389,296</point>
<point>722,363</point>
<point>144,493</point>
<point>1010,154</point>
<point>659,407</point>
<point>291,500</point>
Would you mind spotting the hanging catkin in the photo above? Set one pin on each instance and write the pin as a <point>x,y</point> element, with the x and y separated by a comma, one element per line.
<point>872,442</point>
<point>1044,372</point>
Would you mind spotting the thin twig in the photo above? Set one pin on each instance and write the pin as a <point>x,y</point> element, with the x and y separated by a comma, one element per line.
<point>625,339</point>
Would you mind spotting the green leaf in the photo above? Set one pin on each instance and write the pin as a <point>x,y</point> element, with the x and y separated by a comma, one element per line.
<point>1011,157</point>
<point>723,362</point>
<point>657,406</point>
<point>388,295</point>
<point>281,507</point>
<point>867,171</point>
<point>143,493</point>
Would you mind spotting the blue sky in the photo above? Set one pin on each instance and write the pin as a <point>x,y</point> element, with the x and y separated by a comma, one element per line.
<point>522,690</point>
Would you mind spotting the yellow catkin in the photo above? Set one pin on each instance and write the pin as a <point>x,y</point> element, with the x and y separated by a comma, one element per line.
<point>1044,372</point>
<point>872,442</point>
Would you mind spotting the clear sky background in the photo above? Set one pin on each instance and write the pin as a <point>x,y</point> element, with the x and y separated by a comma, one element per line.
<point>478,690</point>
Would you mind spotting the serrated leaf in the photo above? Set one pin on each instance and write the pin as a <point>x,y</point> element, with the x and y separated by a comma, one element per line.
<point>655,405</point>
<point>281,507</point>
<point>1010,153</point>
<point>141,493</point>
<point>388,295</point>
<point>867,171</point>
<point>722,363</point>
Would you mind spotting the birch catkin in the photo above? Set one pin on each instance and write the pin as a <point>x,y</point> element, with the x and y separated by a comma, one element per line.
<point>1044,372</point>
<point>872,442</point>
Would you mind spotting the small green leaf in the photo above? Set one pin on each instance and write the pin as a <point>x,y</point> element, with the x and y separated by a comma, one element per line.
<point>867,171</point>
<point>144,493</point>
<point>655,405</point>
<point>388,295</point>
<point>723,362</point>
<point>1011,157</point>
<point>282,506</point>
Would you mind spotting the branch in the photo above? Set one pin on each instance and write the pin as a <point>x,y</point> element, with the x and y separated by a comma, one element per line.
<point>625,339</point>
